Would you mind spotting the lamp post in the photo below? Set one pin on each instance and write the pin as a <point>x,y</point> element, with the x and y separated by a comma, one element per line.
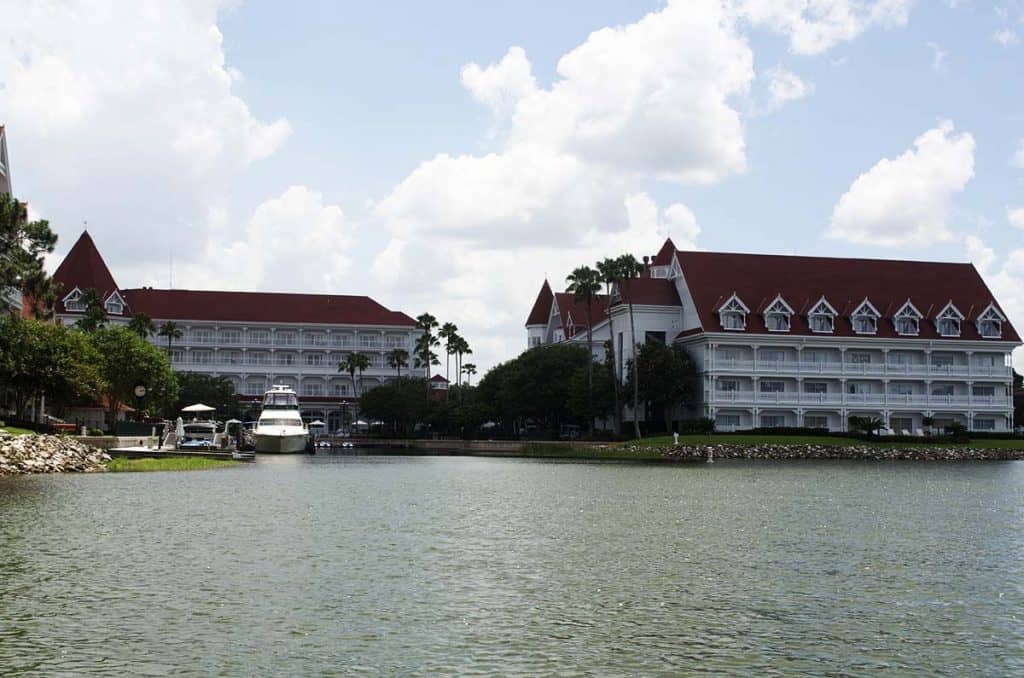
<point>140,393</point>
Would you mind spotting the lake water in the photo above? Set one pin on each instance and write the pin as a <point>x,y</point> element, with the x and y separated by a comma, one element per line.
<point>359,564</point>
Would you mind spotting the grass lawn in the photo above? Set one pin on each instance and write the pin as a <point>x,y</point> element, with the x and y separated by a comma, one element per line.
<point>14,430</point>
<point>542,451</point>
<point>122,464</point>
<point>740,439</point>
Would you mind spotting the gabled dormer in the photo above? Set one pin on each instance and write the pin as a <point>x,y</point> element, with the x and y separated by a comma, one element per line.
<point>733,314</point>
<point>990,322</point>
<point>907,320</point>
<point>73,301</point>
<point>948,323</point>
<point>115,304</point>
<point>822,317</point>
<point>778,315</point>
<point>864,318</point>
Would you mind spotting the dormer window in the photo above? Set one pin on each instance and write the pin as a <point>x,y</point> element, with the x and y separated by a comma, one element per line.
<point>114,304</point>
<point>865,318</point>
<point>990,323</point>
<point>822,318</point>
<point>733,314</point>
<point>948,321</point>
<point>777,315</point>
<point>73,302</point>
<point>907,320</point>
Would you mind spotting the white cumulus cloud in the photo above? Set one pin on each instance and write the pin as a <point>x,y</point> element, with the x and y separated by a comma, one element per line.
<point>1015,215</point>
<point>907,199</point>
<point>1005,37</point>
<point>500,86</point>
<point>1005,279</point>
<point>785,86</point>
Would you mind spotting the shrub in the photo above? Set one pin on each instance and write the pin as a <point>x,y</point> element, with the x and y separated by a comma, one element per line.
<point>96,432</point>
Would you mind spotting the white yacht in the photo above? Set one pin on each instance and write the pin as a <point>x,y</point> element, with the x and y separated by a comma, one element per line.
<point>280,427</point>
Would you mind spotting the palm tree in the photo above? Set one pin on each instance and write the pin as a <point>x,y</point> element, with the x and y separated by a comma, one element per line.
<point>629,269</point>
<point>585,283</point>
<point>608,270</point>
<point>170,330</point>
<point>461,348</point>
<point>470,370</point>
<point>142,325</point>
<point>355,362</point>
<point>426,342</point>
<point>448,332</point>
<point>398,358</point>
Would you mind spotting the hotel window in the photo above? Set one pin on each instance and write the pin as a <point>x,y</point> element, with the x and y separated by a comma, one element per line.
<point>948,321</point>
<point>731,420</point>
<point>73,302</point>
<point>816,387</point>
<point>339,390</point>
<point>313,389</point>
<point>776,316</point>
<point>341,340</point>
<point>822,317</point>
<point>115,307</point>
<point>257,358</point>
<point>942,389</point>
<point>942,359</point>
<point>730,385</point>
<point>858,358</point>
<point>865,318</point>
<point>773,355</point>
<point>907,320</point>
<point>231,336</point>
<point>230,357</point>
<point>900,424</point>
<point>983,390</point>
<point>202,357</point>
<point>899,358</point>
<point>368,341</point>
<point>990,323</point>
<point>286,338</point>
<point>392,341</point>
<point>773,420</point>
<point>316,339</point>
<point>176,356</point>
<point>815,421</point>
<point>733,314</point>
<point>285,359</point>
<point>984,424</point>
<point>766,386</point>
<point>202,336</point>
<point>254,388</point>
<point>261,337</point>
<point>901,389</point>
<point>534,342</point>
<point>858,388</point>
<point>314,359</point>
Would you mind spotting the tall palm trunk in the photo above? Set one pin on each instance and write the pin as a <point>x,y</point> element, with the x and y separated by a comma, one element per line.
<point>636,381</point>
<point>617,415</point>
<point>590,368</point>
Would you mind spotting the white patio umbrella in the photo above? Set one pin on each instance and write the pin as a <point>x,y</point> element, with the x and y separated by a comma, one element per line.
<point>360,422</point>
<point>317,423</point>
<point>198,407</point>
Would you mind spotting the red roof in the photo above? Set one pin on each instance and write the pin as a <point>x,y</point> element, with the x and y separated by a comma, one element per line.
<point>568,308</point>
<point>84,268</point>
<point>269,307</point>
<point>541,310</point>
<point>665,254</point>
<point>438,379</point>
<point>757,279</point>
<point>650,292</point>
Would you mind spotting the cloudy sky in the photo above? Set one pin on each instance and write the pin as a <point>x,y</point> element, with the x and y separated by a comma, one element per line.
<point>447,156</point>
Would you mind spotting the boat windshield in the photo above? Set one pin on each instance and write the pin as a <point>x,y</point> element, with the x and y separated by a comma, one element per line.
<point>280,422</point>
<point>281,401</point>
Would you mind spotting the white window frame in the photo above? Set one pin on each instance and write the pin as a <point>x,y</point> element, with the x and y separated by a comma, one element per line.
<point>778,309</point>
<point>733,308</point>
<point>72,301</point>
<point>949,314</point>
<point>866,310</point>
<point>907,312</point>
<point>822,309</point>
<point>763,383</point>
<point>115,304</point>
<point>733,385</point>
<point>991,314</point>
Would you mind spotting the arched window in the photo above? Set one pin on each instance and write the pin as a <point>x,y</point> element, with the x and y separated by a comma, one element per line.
<point>990,323</point>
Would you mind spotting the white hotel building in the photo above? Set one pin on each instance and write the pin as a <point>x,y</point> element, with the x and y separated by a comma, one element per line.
<point>12,296</point>
<point>255,339</point>
<point>809,341</point>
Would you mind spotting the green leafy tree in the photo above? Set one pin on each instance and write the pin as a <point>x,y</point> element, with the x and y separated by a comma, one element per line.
<point>667,378</point>
<point>353,363</point>
<point>608,270</point>
<point>402,403</point>
<point>125,361</point>
<point>217,392</point>
<point>142,325</point>
<point>23,244</point>
<point>42,359</point>
<point>397,359</point>
<point>591,393</point>
<point>585,283</point>
<point>867,425</point>
<point>170,331</point>
<point>629,270</point>
<point>95,312</point>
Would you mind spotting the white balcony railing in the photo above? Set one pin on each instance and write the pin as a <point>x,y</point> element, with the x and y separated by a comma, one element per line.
<point>858,369</point>
<point>855,399</point>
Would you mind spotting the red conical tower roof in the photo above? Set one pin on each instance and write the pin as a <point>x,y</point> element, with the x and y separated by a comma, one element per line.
<point>541,310</point>
<point>84,268</point>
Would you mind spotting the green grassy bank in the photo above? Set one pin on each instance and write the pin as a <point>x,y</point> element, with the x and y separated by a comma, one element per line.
<point>14,430</point>
<point>121,464</point>
<point>755,439</point>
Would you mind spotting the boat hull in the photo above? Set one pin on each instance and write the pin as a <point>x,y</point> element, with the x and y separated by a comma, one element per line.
<point>288,443</point>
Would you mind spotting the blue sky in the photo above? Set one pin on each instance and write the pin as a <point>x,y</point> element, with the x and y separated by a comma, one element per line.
<point>349,147</point>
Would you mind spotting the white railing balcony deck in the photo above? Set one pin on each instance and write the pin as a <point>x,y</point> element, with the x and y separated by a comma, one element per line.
<point>890,400</point>
<point>858,369</point>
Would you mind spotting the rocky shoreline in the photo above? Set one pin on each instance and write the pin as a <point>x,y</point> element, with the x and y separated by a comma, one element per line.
<point>862,452</point>
<point>48,454</point>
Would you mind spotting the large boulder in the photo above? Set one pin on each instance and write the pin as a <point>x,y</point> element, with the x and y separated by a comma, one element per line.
<point>48,454</point>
